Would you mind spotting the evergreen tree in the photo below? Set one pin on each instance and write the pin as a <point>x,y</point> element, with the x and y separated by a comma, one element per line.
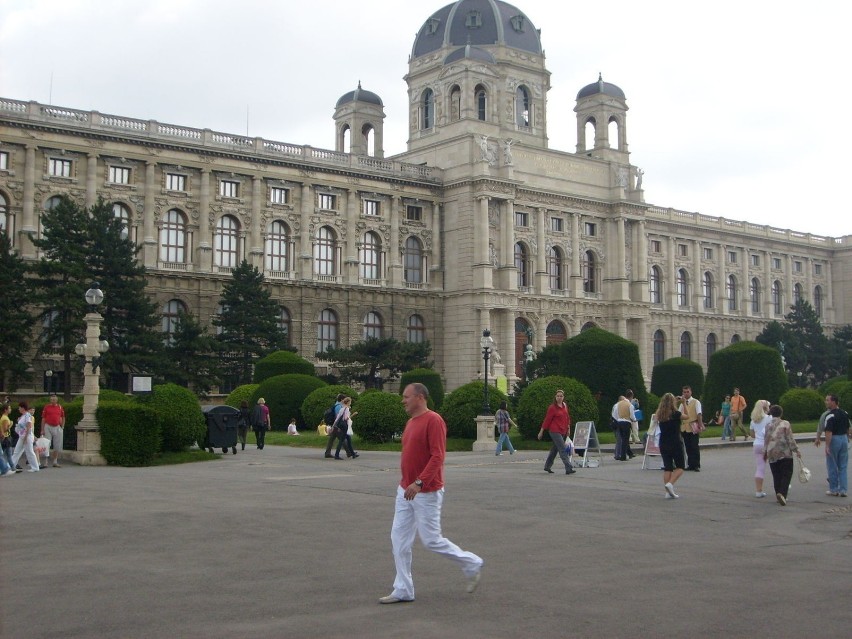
<point>364,361</point>
<point>16,319</point>
<point>193,354</point>
<point>248,323</point>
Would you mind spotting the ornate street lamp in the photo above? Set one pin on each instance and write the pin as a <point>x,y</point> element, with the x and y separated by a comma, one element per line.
<point>487,345</point>
<point>88,437</point>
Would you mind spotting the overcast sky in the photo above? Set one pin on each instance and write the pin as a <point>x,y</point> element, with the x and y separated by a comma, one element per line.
<point>737,109</point>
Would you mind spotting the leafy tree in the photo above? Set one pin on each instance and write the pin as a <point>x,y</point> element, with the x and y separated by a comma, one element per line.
<point>365,361</point>
<point>248,323</point>
<point>16,320</point>
<point>193,354</point>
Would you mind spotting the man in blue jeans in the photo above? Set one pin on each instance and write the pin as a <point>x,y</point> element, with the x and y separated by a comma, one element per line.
<point>836,447</point>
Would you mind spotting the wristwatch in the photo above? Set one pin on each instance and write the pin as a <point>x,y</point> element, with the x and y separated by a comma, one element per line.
<point>418,483</point>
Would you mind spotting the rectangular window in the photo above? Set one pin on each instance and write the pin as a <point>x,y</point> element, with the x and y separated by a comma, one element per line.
<point>327,201</point>
<point>371,207</point>
<point>522,219</point>
<point>4,160</point>
<point>556,224</point>
<point>682,250</point>
<point>776,263</point>
<point>656,246</point>
<point>797,266</point>
<point>414,213</point>
<point>175,182</point>
<point>708,254</point>
<point>278,195</point>
<point>60,168</point>
<point>732,257</point>
<point>817,269</point>
<point>229,188</point>
<point>119,175</point>
<point>591,229</point>
<point>755,260</point>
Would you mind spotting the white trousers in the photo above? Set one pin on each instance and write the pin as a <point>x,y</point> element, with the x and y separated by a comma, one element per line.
<point>422,516</point>
<point>25,445</point>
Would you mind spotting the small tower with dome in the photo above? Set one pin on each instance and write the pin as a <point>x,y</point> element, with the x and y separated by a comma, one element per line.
<point>602,122</point>
<point>359,119</point>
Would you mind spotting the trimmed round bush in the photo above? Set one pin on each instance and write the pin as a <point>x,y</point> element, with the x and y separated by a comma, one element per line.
<point>318,401</point>
<point>673,374</point>
<point>108,395</point>
<point>844,396</point>
<point>651,407</point>
<point>181,419</point>
<point>538,396</point>
<point>281,363</point>
<point>461,407</point>
<point>833,386</point>
<point>73,416</point>
<point>130,433</point>
<point>801,404</point>
<point>240,394</point>
<point>284,395</point>
<point>380,417</point>
<point>429,378</point>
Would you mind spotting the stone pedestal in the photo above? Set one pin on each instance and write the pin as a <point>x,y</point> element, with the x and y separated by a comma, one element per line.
<point>484,434</point>
<point>88,451</point>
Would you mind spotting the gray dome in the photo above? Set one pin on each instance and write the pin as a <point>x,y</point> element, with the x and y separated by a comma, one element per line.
<point>360,95</point>
<point>601,87</point>
<point>474,53</point>
<point>478,23</point>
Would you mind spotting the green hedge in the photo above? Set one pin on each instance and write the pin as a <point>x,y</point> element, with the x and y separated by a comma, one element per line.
<point>240,394</point>
<point>284,395</point>
<point>461,407</point>
<point>281,363</point>
<point>538,396</point>
<point>430,379</point>
<point>380,417</point>
<point>318,401</point>
<point>130,433</point>
<point>844,396</point>
<point>673,374</point>
<point>181,419</point>
<point>801,404</point>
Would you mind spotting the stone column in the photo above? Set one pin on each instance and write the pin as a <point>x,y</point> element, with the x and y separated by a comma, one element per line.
<point>745,308</point>
<point>639,281</point>
<point>809,280</point>
<point>149,241</point>
<point>576,277</point>
<point>306,249</point>
<point>28,223</point>
<point>542,284</point>
<point>394,253</point>
<point>507,278</point>
<point>698,279</point>
<point>256,250</point>
<point>722,297</point>
<point>482,268</point>
<point>352,239</point>
<point>767,276</point>
<point>828,297</point>
<point>88,451</point>
<point>91,180</point>
<point>437,268</point>
<point>205,245</point>
<point>672,276</point>
<point>788,281</point>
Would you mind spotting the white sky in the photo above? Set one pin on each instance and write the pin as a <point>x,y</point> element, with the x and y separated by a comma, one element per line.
<point>737,109</point>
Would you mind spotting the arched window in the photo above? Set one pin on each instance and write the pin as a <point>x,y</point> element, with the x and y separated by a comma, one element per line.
<point>659,347</point>
<point>52,203</point>
<point>481,102</point>
<point>522,264</point>
<point>754,295</point>
<point>325,252</point>
<point>682,287</point>
<point>416,330</point>
<point>171,312</point>
<point>368,136</point>
<point>798,294</point>
<point>284,325</point>
<point>589,133</point>
<point>588,326</point>
<point>707,289</point>
<point>732,292</point>
<point>427,110</point>
<point>326,331</point>
<point>555,333</point>
<point>777,303</point>
<point>523,112</point>
<point>455,103</point>
<point>369,256</point>
<point>655,283</point>
<point>613,134</point>
<point>345,138</point>
<point>173,237</point>
<point>554,268</point>
<point>686,345</point>
<point>373,326</point>
<point>225,242</point>
<point>277,247</point>
<point>735,339</point>
<point>4,212</point>
<point>413,261</point>
<point>590,272</point>
<point>818,300</point>
<point>122,213</point>
<point>711,346</point>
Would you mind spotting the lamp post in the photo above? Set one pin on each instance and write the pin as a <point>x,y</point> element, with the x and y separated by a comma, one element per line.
<point>799,375</point>
<point>529,355</point>
<point>487,345</point>
<point>88,437</point>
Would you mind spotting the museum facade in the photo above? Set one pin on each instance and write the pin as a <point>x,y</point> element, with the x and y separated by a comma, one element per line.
<point>477,225</point>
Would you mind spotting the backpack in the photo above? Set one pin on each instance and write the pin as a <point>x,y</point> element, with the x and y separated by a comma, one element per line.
<point>330,416</point>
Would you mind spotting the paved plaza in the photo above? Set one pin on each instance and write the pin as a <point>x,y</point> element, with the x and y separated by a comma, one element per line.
<point>284,543</point>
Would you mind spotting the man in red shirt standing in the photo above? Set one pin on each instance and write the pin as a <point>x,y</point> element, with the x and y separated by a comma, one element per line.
<point>52,425</point>
<point>419,497</point>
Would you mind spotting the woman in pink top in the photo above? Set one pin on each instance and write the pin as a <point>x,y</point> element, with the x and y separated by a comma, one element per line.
<point>557,422</point>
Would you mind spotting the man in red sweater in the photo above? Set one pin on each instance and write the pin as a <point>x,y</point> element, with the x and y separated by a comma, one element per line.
<point>419,497</point>
<point>52,427</point>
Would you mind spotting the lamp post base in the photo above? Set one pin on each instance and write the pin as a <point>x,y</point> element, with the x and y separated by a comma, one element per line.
<point>484,434</point>
<point>88,451</point>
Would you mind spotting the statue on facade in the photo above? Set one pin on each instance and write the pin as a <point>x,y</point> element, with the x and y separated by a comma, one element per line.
<point>507,151</point>
<point>487,154</point>
<point>639,173</point>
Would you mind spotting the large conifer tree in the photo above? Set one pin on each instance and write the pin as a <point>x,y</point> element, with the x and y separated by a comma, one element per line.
<point>193,354</point>
<point>16,319</point>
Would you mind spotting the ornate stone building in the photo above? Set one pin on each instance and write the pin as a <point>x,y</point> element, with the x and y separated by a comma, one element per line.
<point>478,224</point>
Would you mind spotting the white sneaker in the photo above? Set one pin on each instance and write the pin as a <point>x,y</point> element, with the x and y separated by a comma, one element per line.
<point>9,473</point>
<point>760,494</point>
<point>473,582</point>
<point>670,489</point>
<point>669,496</point>
<point>32,470</point>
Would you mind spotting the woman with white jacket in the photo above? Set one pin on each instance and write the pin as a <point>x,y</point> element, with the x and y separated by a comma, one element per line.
<point>26,438</point>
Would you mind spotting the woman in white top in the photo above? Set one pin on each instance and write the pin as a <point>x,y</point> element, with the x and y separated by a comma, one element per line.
<point>26,438</point>
<point>759,419</point>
